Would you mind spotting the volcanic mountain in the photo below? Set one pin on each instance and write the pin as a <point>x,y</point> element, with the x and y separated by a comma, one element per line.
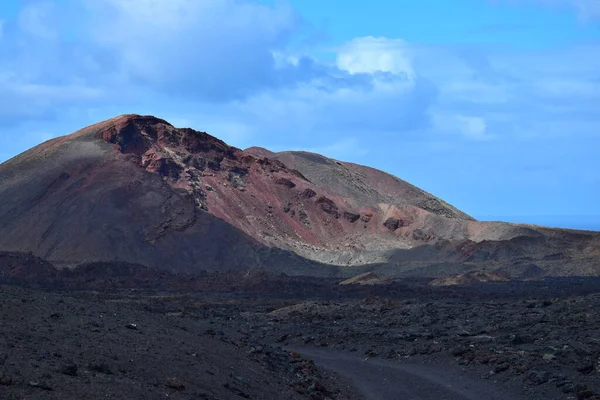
<point>136,189</point>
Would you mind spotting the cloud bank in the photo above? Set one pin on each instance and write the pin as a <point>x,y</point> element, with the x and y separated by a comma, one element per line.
<point>235,69</point>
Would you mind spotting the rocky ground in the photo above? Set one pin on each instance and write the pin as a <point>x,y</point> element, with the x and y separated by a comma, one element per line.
<point>55,346</point>
<point>537,338</point>
<point>551,347</point>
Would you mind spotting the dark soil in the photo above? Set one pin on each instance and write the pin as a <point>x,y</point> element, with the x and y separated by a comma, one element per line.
<point>131,332</point>
<point>55,346</point>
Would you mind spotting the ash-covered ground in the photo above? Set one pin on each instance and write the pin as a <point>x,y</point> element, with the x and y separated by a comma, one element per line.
<point>255,337</point>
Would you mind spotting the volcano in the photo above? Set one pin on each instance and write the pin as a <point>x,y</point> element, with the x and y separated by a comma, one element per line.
<point>136,189</point>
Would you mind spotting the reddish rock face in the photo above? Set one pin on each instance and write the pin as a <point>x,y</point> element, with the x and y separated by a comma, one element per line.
<point>351,217</point>
<point>394,223</point>
<point>285,182</point>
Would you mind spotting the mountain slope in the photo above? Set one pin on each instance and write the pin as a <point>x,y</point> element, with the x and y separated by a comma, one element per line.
<point>80,198</point>
<point>365,185</point>
<point>136,189</point>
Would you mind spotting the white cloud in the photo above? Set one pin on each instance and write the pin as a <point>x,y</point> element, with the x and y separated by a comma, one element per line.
<point>559,87</point>
<point>216,49</point>
<point>213,50</point>
<point>470,127</point>
<point>232,68</point>
<point>371,54</point>
<point>234,58</point>
<point>586,9</point>
<point>35,19</point>
<point>589,8</point>
<point>313,110</point>
<point>22,101</point>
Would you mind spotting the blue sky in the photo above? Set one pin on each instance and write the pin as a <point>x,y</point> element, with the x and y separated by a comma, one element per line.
<point>493,105</point>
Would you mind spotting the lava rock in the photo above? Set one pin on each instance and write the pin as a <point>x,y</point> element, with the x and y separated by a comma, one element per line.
<point>285,182</point>
<point>40,385</point>
<point>100,367</point>
<point>308,194</point>
<point>175,383</point>
<point>69,369</point>
<point>351,217</point>
<point>5,380</point>
<point>394,223</point>
<point>328,206</point>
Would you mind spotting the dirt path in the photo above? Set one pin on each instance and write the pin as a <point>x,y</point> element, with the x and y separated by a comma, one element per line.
<point>384,380</point>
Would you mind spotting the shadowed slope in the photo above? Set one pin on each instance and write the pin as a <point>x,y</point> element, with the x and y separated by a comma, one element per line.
<point>75,199</point>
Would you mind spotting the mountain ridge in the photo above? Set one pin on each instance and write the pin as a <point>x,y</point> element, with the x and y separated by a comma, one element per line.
<point>136,189</point>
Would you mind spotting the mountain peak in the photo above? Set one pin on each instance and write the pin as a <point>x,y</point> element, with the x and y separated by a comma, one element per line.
<point>137,189</point>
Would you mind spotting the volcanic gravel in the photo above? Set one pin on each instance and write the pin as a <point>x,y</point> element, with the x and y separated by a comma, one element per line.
<point>55,346</point>
<point>541,339</point>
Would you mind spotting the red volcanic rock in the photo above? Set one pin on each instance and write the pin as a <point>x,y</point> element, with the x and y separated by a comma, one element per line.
<point>285,182</point>
<point>308,193</point>
<point>352,217</point>
<point>328,206</point>
<point>165,167</point>
<point>394,223</point>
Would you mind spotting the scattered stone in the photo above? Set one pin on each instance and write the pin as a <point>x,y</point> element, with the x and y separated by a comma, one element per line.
<point>522,339</point>
<point>241,379</point>
<point>351,217</point>
<point>237,181</point>
<point>539,377</point>
<point>371,353</point>
<point>174,383</point>
<point>328,206</point>
<point>282,338</point>
<point>308,194</point>
<point>69,369</point>
<point>40,385</point>
<point>568,388</point>
<point>303,217</point>
<point>501,368</point>
<point>285,182</point>
<point>317,387</point>
<point>394,223</point>
<point>586,369</point>
<point>459,351</point>
<point>236,390</point>
<point>585,393</point>
<point>366,218</point>
<point>5,380</point>
<point>102,368</point>
<point>132,326</point>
